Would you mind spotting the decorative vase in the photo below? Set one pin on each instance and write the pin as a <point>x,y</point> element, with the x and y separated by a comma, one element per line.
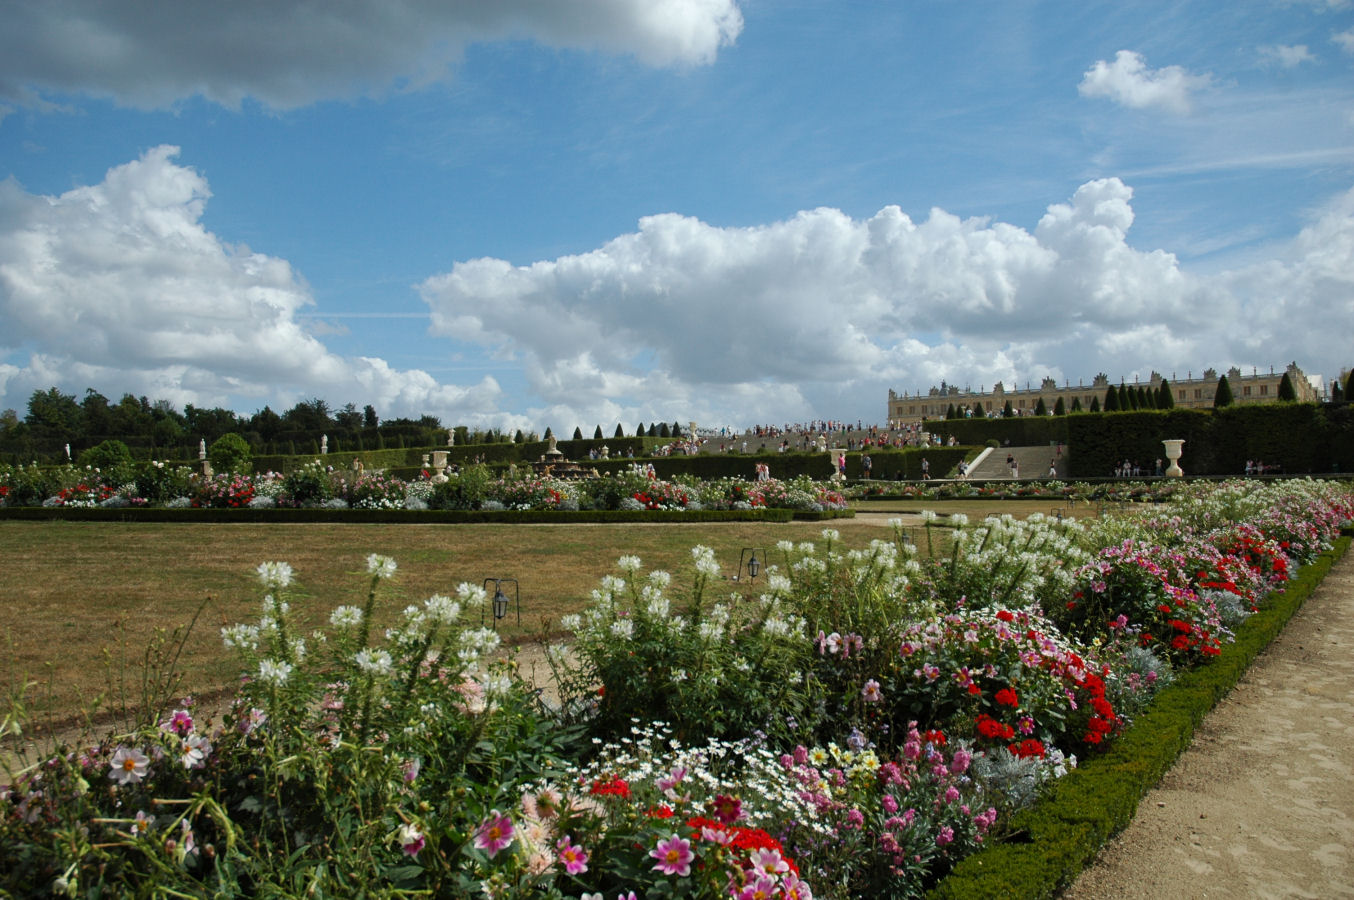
<point>1173,454</point>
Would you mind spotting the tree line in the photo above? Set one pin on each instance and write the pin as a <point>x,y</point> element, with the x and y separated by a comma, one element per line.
<point>58,426</point>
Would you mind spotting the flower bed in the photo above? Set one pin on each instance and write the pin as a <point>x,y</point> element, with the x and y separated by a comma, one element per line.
<point>314,486</point>
<point>857,729</point>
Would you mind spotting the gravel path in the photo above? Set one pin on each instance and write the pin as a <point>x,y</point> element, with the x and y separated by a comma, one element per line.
<point>1262,802</point>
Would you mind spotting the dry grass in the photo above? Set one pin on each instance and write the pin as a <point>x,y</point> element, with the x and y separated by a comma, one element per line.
<point>83,601</point>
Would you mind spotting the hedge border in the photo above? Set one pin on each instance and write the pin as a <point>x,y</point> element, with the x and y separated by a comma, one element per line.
<point>415,516</point>
<point>1056,839</point>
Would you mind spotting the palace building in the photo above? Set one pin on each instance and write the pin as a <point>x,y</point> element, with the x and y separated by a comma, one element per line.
<point>1188,392</point>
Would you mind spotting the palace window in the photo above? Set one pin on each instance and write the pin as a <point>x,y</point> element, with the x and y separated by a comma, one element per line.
<point>1246,391</point>
<point>1264,389</point>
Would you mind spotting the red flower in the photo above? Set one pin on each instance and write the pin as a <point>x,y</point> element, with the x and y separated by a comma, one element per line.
<point>1007,697</point>
<point>616,786</point>
<point>1005,615</point>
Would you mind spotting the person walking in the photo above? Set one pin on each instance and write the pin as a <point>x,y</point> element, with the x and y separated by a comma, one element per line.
<point>865,465</point>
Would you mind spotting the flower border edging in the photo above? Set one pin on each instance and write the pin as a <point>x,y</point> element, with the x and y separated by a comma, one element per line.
<point>1061,835</point>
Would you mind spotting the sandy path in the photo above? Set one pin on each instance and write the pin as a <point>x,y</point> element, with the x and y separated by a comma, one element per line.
<point>1262,802</point>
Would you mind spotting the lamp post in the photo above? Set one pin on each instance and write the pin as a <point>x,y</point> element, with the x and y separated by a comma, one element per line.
<point>750,563</point>
<point>499,601</point>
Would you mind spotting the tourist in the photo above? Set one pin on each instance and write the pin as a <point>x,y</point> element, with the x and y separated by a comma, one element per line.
<point>1053,468</point>
<point>865,465</point>
<point>925,468</point>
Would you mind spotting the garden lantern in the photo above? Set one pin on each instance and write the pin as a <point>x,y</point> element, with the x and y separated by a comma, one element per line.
<point>752,566</point>
<point>500,601</point>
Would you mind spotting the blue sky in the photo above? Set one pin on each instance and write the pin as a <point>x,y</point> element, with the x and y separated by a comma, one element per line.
<point>539,212</point>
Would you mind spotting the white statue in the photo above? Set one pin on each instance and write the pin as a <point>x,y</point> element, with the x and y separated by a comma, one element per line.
<point>324,444</point>
<point>451,437</point>
<point>202,448</point>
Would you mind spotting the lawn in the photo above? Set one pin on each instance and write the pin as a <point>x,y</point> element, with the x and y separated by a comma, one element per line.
<point>84,600</point>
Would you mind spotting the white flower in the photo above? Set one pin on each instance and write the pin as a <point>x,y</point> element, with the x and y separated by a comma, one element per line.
<point>442,609</point>
<point>346,617</point>
<point>377,662</point>
<point>660,579</point>
<point>275,575</point>
<point>240,637</point>
<point>571,622</point>
<point>928,516</point>
<point>274,672</point>
<point>380,566</point>
<point>778,584</point>
<point>472,596</point>
<point>623,629</point>
<point>784,546</point>
<point>628,564</point>
<point>958,520</point>
<point>128,766</point>
<point>831,534</point>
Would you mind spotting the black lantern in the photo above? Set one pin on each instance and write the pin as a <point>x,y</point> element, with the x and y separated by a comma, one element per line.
<point>499,601</point>
<point>749,562</point>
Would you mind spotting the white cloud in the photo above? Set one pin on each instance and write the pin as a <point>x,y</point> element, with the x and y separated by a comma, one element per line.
<point>288,53</point>
<point>1345,39</point>
<point>1287,57</point>
<point>1128,82</point>
<point>805,317</point>
<point>117,285</point>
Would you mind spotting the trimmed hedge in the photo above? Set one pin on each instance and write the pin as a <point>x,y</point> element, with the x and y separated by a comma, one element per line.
<point>1058,837</point>
<point>1301,438</point>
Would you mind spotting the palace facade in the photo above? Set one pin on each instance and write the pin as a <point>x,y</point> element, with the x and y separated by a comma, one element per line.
<point>1189,393</point>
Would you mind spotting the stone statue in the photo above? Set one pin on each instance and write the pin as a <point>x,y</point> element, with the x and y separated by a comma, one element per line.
<point>324,444</point>
<point>202,448</point>
<point>451,437</point>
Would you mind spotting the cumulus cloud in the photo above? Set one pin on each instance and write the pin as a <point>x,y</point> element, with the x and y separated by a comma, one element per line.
<point>1286,57</point>
<point>786,319</point>
<point>288,53</point>
<point>1128,82</point>
<point>1345,40</point>
<point>118,285</point>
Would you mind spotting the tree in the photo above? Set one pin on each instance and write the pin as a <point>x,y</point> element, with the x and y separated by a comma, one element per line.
<point>1095,404</point>
<point>676,429</point>
<point>519,438</point>
<point>950,412</point>
<point>1006,411</point>
<point>1040,409</point>
<point>53,416</point>
<point>597,433</point>
<point>1336,395</point>
<point>1349,385</point>
<point>1111,399</point>
<point>548,435</point>
<point>96,416</point>
<point>1060,408</point>
<point>978,411</point>
<point>369,419</point>
<point>1165,396</point>
<point>1286,391</point>
<point>664,431</point>
<point>1076,404</point>
<point>229,453</point>
<point>578,433</point>
<point>309,415</point>
<point>1145,398</point>
<point>620,432</point>
<point>653,429</point>
<point>348,419</point>
<point>1223,395</point>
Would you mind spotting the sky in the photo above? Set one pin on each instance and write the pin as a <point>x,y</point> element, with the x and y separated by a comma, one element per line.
<point>571,213</point>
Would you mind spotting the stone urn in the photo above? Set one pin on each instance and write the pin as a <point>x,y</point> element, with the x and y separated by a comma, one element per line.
<point>1173,454</point>
<point>439,466</point>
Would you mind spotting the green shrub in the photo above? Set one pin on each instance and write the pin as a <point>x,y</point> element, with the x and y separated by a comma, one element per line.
<point>230,453</point>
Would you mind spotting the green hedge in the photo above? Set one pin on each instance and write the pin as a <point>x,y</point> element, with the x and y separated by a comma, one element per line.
<point>1302,438</point>
<point>1053,841</point>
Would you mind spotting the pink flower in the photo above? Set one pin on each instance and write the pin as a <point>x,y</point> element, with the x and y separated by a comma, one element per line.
<point>769,861</point>
<point>945,836</point>
<point>575,859</point>
<point>494,833</point>
<point>411,839</point>
<point>871,692</point>
<point>674,856</point>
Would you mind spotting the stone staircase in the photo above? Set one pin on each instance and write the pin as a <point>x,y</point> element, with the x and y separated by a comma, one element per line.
<point>1033,463</point>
